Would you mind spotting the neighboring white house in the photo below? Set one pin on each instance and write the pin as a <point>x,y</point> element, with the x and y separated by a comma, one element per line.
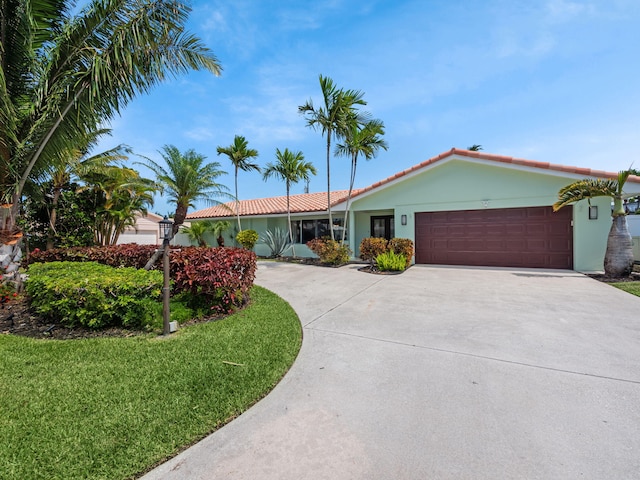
<point>144,232</point>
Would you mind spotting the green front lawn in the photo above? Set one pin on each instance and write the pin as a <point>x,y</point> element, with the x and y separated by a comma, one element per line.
<point>114,407</point>
<point>631,287</point>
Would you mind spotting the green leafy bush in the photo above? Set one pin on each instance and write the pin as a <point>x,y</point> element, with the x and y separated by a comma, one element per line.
<point>330,251</point>
<point>391,262</point>
<point>94,295</point>
<point>247,238</point>
<point>371,247</point>
<point>402,246</point>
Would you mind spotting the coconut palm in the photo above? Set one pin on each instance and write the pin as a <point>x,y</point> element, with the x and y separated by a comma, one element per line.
<point>186,179</point>
<point>239,154</point>
<point>365,140</point>
<point>618,258</point>
<point>290,168</point>
<point>66,71</point>
<point>338,104</point>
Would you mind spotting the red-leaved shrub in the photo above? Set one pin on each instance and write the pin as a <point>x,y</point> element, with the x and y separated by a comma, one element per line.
<point>128,255</point>
<point>218,278</point>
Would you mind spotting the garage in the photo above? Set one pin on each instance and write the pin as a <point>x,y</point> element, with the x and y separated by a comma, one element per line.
<point>533,237</point>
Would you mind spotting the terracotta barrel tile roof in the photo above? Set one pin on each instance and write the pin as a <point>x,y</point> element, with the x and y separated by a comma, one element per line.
<point>301,203</point>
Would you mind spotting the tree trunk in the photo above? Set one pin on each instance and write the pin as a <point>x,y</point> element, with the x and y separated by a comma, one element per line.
<point>329,182</point>
<point>53,216</point>
<point>618,259</point>
<point>293,248</point>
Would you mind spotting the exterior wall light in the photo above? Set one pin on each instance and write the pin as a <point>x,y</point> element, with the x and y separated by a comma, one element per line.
<point>403,219</point>
<point>593,212</point>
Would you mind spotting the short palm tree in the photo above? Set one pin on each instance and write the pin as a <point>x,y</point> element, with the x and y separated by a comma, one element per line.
<point>197,230</point>
<point>338,104</point>
<point>290,168</point>
<point>186,179</point>
<point>618,258</point>
<point>365,140</point>
<point>239,153</point>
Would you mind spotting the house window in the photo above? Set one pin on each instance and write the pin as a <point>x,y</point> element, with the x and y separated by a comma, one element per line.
<point>383,227</point>
<point>305,230</point>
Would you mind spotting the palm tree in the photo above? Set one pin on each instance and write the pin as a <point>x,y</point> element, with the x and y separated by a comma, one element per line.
<point>186,179</point>
<point>197,230</point>
<point>360,139</point>
<point>475,148</point>
<point>330,118</point>
<point>78,164</point>
<point>218,229</point>
<point>121,194</point>
<point>291,168</point>
<point>239,154</point>
<point>618,258</point>
<point>64,73</point>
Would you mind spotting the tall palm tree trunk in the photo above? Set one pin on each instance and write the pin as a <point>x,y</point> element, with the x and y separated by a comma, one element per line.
<point>618,259</point>
<point>293,248</point>
<point>329,183</point>
<point>238,202</point>
<point>352,180</point>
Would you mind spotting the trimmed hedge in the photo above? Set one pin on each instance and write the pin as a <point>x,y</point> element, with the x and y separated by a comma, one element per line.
<point>247,238</point>
<point>216,278</point>
<point>94,295</point>
<point>128,255</point>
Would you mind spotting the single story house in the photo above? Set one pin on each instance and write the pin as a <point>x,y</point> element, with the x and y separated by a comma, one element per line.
<point>460,208</point>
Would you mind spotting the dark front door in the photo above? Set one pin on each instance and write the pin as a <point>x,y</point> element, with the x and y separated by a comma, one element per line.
<point>382,227</point>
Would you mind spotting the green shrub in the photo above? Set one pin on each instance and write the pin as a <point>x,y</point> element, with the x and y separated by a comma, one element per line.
<point>391,262</point>
<point>247,238</point>
<point>330,251</point>
<point>402,246</point>
<point>94,295</point>
<point>371,247</point>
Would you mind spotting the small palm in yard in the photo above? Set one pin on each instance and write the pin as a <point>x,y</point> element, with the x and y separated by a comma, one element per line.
<point>197,230</point>
<point>618,258</point>
<point>291,168</point>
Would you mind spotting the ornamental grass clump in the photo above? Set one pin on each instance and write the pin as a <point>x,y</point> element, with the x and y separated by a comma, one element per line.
<point>391,262</point>
<point>94,295</point>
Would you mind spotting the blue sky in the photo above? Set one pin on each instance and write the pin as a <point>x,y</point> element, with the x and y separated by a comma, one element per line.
<point>549,80</point>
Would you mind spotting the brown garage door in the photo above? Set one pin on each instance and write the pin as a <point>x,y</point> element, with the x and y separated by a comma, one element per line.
<point>509,237</point>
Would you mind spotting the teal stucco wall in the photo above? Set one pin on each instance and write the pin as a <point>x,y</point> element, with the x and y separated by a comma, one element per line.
<point>459,184</point>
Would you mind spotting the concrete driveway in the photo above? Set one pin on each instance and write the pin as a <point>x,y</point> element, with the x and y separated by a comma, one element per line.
<point>441,373</point>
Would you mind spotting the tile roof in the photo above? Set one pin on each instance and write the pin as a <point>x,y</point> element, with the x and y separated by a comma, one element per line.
<point>302,203</point>
<point>317,202</point>
<point>586,172</point>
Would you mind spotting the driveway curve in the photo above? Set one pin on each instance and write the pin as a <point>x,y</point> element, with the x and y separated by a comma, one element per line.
<point>441,373</point>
